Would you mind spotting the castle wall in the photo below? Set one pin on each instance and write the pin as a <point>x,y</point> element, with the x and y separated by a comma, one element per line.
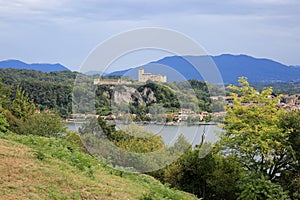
<point>143,77</point>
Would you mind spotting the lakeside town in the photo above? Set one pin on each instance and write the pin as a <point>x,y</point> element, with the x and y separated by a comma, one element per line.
<point>182,115</point>
<point>288,102</point>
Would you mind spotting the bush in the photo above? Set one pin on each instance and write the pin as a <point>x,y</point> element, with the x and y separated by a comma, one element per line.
<point>135,139</point>
<point>43,124</point>
<point>3,121</point>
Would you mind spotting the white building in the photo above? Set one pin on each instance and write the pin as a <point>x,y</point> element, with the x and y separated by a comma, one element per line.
<point>143,77</point>
<point>110,81</point>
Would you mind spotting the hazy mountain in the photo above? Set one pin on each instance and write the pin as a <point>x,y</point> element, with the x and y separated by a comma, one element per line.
<point>16,64</point>
<point>230,66</point>
<point>94,73</point>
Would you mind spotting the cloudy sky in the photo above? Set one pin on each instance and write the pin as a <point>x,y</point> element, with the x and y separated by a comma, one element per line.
<point>66,31</point>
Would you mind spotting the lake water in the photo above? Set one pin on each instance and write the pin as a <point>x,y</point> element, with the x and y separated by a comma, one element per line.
<point>170,133</point>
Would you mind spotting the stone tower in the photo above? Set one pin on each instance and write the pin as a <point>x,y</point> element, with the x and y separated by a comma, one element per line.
<point>140,75</point>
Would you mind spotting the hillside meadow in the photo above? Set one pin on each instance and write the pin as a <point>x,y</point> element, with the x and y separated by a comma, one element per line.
<point>34,167</point>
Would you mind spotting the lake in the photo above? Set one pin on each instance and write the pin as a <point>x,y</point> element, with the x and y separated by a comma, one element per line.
<point>170,133</point>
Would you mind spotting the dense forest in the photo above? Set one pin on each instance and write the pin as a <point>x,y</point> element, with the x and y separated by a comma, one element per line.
<point>47,90</point>
<point>280,87</point>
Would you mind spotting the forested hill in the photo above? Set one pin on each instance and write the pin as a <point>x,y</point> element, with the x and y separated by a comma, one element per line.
<point>54,91</point>
<point>12,76</point>
<point>51,90</point>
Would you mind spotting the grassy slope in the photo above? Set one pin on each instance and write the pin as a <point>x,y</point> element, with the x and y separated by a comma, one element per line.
<point>33,167</point>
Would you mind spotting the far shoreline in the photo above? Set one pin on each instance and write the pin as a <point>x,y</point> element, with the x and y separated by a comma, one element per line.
<point>74,121</point>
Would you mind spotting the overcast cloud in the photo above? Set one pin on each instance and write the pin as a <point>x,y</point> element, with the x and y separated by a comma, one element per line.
<point>66,31</point>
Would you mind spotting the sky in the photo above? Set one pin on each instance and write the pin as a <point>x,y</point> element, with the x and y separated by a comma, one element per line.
<point>66,31</point>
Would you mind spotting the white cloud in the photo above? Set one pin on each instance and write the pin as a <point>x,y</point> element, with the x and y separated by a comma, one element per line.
<point>29,9</point>
<point>138,9</point>
<point>67,30</point>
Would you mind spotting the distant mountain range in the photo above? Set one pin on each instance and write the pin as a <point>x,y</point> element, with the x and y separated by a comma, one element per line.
<point>44,67</point>
<point>231,67</point>
<point>177,68</point>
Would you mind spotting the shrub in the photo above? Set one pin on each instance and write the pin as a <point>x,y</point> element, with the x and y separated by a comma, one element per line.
<point>43,124</point>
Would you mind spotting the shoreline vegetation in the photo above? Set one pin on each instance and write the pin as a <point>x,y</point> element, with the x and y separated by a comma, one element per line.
<point>74,121</point>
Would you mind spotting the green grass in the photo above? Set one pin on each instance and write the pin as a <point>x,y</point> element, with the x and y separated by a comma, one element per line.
<point>33,167</point>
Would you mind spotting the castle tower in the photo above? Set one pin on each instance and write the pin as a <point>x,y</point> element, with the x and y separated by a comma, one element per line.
<point>140,75</point>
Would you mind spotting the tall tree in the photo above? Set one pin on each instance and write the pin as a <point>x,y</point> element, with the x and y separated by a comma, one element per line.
<point>253,134</point>
<point>22,107</point>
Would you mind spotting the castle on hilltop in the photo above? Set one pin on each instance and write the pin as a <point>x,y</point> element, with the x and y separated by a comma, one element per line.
<point>143,77</point>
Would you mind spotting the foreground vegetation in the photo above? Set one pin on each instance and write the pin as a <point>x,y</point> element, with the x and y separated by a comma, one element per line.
<point>34,167</point>
<point>256,158</point>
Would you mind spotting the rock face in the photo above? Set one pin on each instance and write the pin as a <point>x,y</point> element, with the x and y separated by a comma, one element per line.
<point>125,95</point>
<point>122,94</point>
<point>148,96</point>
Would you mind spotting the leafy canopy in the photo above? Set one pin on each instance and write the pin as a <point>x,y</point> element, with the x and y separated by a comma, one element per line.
<point>253,134</point>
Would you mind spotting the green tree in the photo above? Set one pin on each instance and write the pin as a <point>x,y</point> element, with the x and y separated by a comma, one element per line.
<point>3,121</point>
<point>224,178</point>
<point>211,177</point>
<point>22,107</point>
<point>14,123</point>
<point>253,134</point>
<point>290,179</point>
<point>260,188</point>
<point>18,110</point>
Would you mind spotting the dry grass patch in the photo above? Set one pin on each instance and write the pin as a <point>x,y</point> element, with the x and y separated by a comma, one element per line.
<point>33,167</point>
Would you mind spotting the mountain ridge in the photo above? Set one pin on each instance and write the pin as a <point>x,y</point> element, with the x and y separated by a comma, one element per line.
<point>177,68</point>
<point>44,67</point>
<point>231,67</point>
